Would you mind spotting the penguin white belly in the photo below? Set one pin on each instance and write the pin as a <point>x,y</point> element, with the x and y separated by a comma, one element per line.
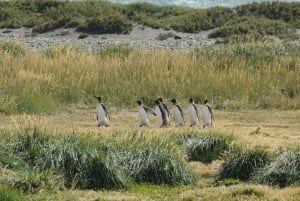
<point>101,114</point>
<point>193,115</point>
<point>144,121</point>
<point>177,116</point>
<point>206,116</point>
<point>159,117</point>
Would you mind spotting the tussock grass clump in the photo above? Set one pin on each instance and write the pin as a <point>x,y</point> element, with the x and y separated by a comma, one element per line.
<point>204,148</point>
<point>31,181</point>
<point>9,194</point>
<point>248,192</point>
<point>119,51</point>
<point>283,171</point>
<point>242,164</point>
<point>153,162</point>
<point>80,162</point>
<point>12,48</point>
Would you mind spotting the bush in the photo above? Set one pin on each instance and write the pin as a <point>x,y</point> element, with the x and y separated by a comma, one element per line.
<point>51,25</point>
<point>242,164</point>
<point>106,24</point>
<point>283,171</point>
<point>254,25</point>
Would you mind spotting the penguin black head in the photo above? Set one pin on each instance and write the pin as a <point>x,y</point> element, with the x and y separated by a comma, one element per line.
<point>160,99</point>
<point>139,102</point>
<point>99,98</point>
<point>174,101</point>
<point>191,100</point>
<point>205,101</point>
<point>157,101</point>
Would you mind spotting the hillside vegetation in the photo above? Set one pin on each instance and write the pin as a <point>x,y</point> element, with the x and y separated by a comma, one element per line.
<point>256,20</point>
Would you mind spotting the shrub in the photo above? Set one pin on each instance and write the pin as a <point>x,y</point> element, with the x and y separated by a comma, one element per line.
<point>106,24</point>
<point>51,25</point>
<point>283,171</point>
<point>242,164</point>
<point>287,12</point>
<point>252,25</point>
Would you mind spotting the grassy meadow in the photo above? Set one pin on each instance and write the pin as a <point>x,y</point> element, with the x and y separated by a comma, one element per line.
<point>254,76</point>
<point>53,150</point>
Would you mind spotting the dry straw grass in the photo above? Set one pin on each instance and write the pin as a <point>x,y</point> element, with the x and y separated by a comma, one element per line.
<point>232,80</point>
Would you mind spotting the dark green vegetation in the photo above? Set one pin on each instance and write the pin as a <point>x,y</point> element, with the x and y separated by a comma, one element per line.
<point>34,161</point>
<point>254,20</point>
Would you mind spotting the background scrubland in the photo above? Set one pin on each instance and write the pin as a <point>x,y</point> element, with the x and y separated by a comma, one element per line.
<point>51,148</point>
<point>253,21</point>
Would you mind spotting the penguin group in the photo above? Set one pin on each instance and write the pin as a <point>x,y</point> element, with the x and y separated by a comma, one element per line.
<point>163,114</point>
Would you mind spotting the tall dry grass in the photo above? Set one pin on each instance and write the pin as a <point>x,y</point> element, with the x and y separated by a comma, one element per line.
<point>232,76</point>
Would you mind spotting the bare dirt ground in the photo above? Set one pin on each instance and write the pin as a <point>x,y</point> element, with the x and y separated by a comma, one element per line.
<point>269,129</point>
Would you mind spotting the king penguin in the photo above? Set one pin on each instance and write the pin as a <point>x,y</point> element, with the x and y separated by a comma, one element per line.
<point>193,111</point>
<point>143,113</point>
<point>102,114</point>
<point>165,108</point>
<point>207,114</point>
<point>177,113</point>
<point>161,114</point>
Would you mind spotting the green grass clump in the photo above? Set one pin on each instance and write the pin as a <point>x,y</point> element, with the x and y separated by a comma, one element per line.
<point>204,148</point>
<point>229,182</point>
<point>154,162</point>
<point>9,194</point>
<point>119,51</point>
<point>283,171</point>
<point>12,48</point>
<point>32,181</point>
<point>80,162</point>
<point>242,164</point>
<point>248,192</point>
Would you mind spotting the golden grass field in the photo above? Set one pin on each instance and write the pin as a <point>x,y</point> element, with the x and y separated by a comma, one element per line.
<point>268,129</point>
